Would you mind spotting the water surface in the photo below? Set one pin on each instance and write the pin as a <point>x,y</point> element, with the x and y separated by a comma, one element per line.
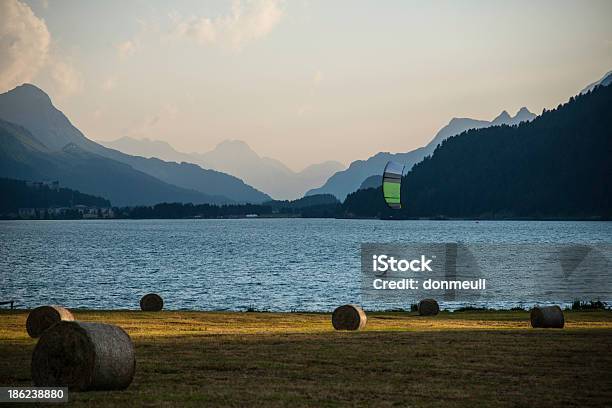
<point>263,264</point>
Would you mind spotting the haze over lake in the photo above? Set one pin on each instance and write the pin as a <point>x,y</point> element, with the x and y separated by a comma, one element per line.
<point>263,264</point>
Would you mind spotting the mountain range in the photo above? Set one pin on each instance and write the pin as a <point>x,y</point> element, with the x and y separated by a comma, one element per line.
<point>555,166</point>
<point>366,173</point>
<point>604,81</point>
<point>24,157</point>
<point>39,142</point>
<point>237,158</point>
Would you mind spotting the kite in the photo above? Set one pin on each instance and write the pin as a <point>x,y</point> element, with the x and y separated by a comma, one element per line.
<point>391,183</point>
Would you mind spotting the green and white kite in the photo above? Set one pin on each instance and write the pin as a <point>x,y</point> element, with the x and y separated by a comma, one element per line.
<point>391,183</point>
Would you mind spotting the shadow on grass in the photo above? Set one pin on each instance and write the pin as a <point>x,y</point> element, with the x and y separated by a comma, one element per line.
<point>380,368</point>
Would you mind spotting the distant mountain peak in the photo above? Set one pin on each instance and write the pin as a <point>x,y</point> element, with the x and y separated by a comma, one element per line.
<point>502,117</point>
<point>29,88</point>
<point>30,91</point>
<point>235,146</point>
<point>604,81</point>
<point>147,147</point>
<point>523,115</point>
<point>522,111</point>
<point>128,138</point>
<point>457,120</point>
<point>234,143</point>
<point>237,158</point>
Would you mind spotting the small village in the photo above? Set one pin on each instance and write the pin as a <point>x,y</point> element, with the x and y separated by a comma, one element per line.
<point>76,212</point>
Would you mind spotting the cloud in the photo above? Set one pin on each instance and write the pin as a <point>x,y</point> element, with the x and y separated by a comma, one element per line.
<point>67,79</point>
<point>246,23</point>
<point>24,44</point>
<point>26,52</point>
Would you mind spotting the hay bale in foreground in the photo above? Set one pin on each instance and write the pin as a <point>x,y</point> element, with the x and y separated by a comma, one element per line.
<point>84,356</point>
<point>43,317</point>
<point>349,317</point>
<point>151,302</point>
<point>547,317</point>
<point>428,307</point>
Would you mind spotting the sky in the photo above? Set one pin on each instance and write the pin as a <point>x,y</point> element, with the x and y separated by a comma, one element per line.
<point>301,81</point>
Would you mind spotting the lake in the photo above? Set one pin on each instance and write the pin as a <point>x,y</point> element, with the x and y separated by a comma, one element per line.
<point>261,264</point>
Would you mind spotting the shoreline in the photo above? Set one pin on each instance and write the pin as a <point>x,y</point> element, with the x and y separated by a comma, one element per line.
<point>576,306</point>
<point>484,314</point>
<point>578,219</point>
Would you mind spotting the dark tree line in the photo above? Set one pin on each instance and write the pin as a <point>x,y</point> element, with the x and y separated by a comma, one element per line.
<point>315,207</point>
<point>15,194</point>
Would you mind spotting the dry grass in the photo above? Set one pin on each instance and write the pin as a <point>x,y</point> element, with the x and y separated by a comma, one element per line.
<point>462,359</point>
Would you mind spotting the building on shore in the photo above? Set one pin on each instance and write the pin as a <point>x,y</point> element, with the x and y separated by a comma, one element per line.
<point>52,185</point>
<point>78,211</point>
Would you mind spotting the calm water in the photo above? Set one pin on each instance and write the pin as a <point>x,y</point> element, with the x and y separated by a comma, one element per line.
<point>265,264</point>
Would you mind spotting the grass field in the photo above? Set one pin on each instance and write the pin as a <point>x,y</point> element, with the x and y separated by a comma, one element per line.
<point>462,359</point>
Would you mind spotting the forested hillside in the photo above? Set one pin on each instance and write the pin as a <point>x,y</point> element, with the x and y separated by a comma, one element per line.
<point>557,166</point>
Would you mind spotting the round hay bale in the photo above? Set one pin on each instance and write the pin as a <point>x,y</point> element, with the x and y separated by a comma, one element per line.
<point>151,302</point>
<point>43,317</point>
<point>428,307</point>
<point>84,356</point>
<point>349,317</point>
<point>547,317</point>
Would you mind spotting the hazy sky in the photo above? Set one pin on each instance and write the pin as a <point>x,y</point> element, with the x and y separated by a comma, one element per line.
<point>301,81</point>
